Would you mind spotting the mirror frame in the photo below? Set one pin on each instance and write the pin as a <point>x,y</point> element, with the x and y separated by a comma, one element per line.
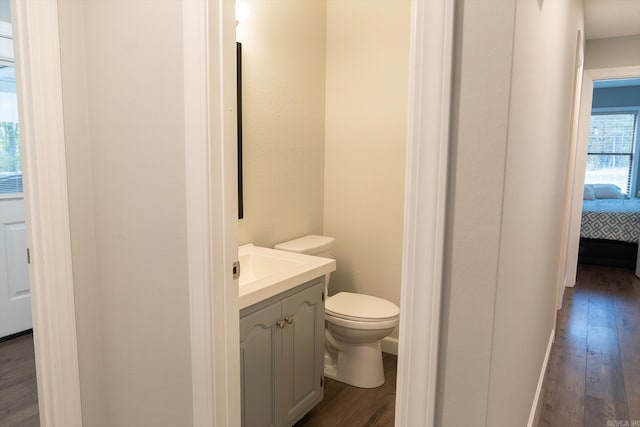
<point>239,114</point>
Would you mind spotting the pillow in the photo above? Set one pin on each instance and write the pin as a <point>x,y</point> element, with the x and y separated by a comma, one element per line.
<point>588,192</point>
<point>607,191</point>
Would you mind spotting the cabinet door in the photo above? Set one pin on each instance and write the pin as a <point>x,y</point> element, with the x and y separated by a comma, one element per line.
<point>303,352</point>
<point>260,367</point>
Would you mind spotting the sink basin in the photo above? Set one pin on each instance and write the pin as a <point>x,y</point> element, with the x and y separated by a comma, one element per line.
<point>266,272</point>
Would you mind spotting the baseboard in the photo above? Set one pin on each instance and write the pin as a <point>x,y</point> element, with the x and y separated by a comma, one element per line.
<point>535,410</point>
<point>389,345</point>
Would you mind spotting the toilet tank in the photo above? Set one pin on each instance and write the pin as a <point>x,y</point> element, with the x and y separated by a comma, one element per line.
<point>310,245</point>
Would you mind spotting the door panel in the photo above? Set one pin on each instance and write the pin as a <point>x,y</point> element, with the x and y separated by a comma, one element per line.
<point>260,348</point>
<point>15,295</point>
<point>303,355</point>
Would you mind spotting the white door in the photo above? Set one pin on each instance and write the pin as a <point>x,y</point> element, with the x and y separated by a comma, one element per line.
<point>15,298</point>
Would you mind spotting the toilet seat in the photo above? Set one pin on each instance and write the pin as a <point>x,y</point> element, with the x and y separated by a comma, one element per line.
<point>360,311</point>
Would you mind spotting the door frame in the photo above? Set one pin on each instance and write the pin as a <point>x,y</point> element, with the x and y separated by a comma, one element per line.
<point>37,61</point>
<point>210,147</point>
<point>586,100</point>
<point>428,136</point>
<point>571,166</point>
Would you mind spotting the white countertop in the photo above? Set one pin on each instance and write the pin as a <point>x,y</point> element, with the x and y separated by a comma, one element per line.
<point>266,272</point>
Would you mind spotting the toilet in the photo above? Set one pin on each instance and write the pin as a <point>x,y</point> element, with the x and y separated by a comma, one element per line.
<point>354,324</point>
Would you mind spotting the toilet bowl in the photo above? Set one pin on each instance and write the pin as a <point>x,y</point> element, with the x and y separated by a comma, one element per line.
<point>354,324</point>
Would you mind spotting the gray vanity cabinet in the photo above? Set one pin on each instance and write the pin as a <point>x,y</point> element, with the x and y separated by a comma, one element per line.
<point>281,356</point>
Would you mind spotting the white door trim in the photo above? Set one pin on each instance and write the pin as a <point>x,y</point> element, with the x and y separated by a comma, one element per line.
<point>589,76</point>
<point>210,144</point>
<point>44,164</point>
<point>425,202</point>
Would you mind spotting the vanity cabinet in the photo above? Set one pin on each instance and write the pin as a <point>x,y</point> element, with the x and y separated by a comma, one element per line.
<point>281,356</point>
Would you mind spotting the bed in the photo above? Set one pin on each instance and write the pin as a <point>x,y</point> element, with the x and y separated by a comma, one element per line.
<point>610,227</point>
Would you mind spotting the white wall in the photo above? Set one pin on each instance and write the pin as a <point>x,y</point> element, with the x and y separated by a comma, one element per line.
<point>366,120</point>
<point>123,91</point>
<point>513,86</point>
<point>283,84</point>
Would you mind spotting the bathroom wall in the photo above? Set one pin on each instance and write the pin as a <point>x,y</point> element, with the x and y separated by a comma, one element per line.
<point>123,91</point>
<point>513,83</point>
<point>283,84</point>
<point>333,166</point>
<point>366,121</point>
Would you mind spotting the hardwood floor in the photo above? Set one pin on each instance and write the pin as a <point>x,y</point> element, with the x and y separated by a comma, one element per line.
<point>593,375</point>
<point>18,389</point>
<point>344,405</point>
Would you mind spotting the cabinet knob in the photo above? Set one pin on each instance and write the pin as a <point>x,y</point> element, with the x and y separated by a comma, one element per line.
<point>281,324</point>
<point>289,319</point>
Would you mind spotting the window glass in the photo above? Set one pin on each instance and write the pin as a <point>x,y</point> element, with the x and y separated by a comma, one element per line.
<point>10,164</point>
<point>610,152</point>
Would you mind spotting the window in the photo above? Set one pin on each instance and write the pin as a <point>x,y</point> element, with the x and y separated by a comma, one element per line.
<point>10,165</point>
<point>610,155</point>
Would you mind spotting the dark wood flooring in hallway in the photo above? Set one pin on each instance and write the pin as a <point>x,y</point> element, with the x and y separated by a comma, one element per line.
<point>18,389</point>
<point>593,374</point>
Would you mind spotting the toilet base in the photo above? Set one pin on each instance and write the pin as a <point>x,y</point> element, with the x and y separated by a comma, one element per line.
<point>359,365</point>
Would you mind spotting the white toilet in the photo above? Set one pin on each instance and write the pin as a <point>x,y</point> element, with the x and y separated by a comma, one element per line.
<point>354,324</point>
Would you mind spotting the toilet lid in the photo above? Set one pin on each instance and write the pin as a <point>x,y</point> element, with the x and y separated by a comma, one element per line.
<point>347,305</point>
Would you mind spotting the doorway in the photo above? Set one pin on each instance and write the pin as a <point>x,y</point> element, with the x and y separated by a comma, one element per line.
<point>53,305</point>
<point>20,401</point>
<point>591,76</point>
<point>15,296</point>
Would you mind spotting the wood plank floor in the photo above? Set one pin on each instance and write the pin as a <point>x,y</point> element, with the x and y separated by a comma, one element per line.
<point>593,375</point>
<point>18,389</point>
<point>344,405</point>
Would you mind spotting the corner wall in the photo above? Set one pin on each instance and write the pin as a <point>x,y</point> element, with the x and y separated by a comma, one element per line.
<point>366,121</point>
<point>283,85</point>
<point>513,85</point>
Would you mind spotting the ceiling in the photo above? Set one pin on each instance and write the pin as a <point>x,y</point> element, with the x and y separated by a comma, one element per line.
<point>611,18</point>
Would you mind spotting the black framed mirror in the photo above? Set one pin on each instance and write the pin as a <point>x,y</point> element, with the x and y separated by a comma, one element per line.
<point>239,114</point>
